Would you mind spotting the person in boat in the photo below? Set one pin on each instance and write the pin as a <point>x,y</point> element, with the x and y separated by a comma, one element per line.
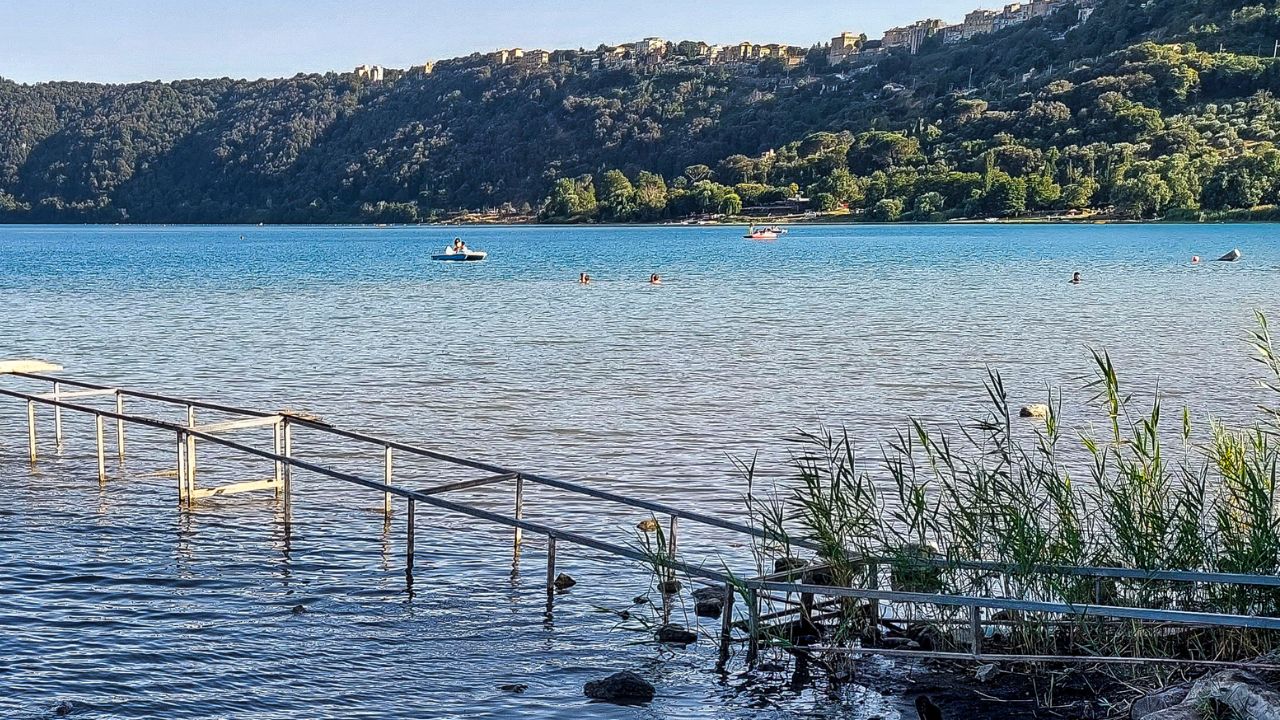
<point>584,279</point>
<point>1076,279</point>
<point>459,246</point>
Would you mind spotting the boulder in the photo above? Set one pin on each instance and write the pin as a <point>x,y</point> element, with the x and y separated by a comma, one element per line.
<point>788,564</point>
<point>623,687</point>
<point>563,581</point>
<point>513,688</point>
<point>1244,694</point>
<point>1039,411</point>
<point>709,601</point>
<point>669,587</point>
<point>675,635</point>
<point>985,672</point>
<point>1232,256</point>
<point>648,526</point>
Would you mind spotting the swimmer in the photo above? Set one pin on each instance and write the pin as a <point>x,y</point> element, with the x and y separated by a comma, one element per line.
<point>1076,279</point>
<point>584,279</point>
<point>1195,259</point>
<point>654,279</point>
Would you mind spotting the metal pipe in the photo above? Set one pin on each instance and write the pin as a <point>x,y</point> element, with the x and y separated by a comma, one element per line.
<point>517,533</point>
<point>286,431</point>
<point>191,454</point>
<point>182,469</point>
<point>408,542</point>
<point>386,479</point>
<point>57,419</point>
<point>671,550</point>
<point>726,625</point>
<point>551,564</point>
<point>753,626</point>
<point>120,425</point>
<point>31,430</point>
<point>102,455</point>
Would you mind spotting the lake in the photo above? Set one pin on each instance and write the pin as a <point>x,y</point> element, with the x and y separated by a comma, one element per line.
<point>116,603</point>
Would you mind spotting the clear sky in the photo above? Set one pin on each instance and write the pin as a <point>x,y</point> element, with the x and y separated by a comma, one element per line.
<point>129,40</point>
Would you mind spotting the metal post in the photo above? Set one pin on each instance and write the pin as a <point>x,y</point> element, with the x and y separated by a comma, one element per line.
<point>182,469</point>
<point>519,533</point>
<point>57,417</point>
<point>287,432</point>
<point>191,453</point>
<point>873,581</point>
<point>753,623</point>
<point>726,625</point>
<point>31,430</point>
<point>975,626</point>
<point>120,425</point>
<point>551,564</point>
<point>408,542</point>
<point>277,443</point>
<point>671,552</point>
<point>102,455</point>
<point>386,480</point>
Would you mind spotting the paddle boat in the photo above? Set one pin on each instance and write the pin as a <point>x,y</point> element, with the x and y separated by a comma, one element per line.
<point>459,252</point>
<point>764,233</point>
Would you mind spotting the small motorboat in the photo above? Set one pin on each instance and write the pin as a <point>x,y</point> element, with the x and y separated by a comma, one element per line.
<point>764,233</point>
<point>465,254</point>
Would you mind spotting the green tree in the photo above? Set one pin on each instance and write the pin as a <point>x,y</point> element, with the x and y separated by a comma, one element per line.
<point>886,210</point>
<point>650,196</point>
<point>618,197</point>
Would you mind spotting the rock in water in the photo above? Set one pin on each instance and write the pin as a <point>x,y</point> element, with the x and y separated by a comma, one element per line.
<point>514,688</point>
<point>1035,410</point>
<point>649,525</point>
<point>669,587</point>
<point>675,635</point>
<point>564,582</point>
<point>1232,256</point>
<point>622,687</point>
<point>709,602</point>
<point>926,709</point>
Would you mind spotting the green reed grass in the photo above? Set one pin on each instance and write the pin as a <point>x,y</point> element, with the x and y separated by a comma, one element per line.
<point>1154,499</point>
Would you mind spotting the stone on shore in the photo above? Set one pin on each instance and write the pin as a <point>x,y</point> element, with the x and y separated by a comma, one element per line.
<point>675,635</point>
<point>1243,693</point>
<point>1039,411</point>
<point>623,687</point>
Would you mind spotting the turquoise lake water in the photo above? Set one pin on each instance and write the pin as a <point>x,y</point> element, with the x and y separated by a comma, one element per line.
<point>116,603</point>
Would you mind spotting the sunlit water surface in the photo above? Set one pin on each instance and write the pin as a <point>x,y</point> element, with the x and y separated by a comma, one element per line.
<point>117,604</point>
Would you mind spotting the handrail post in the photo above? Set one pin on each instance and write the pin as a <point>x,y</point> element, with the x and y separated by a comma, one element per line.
<point>120,424</point>
<point>671,554</point>
<point>191,454</point>
<point>277,443</point>
<point>753,626</point>
<point>31,429</point>
<point>408,542</point>
<point>57,418</point>
<point>286,432</point>
<point>551,565</point>
<point>726,625</point>
<point>386,480</point>
<point>975,626</point>
<point>102,455</point>
<point>182,469</point>
<point>519,514</point>
<point>873,582</point>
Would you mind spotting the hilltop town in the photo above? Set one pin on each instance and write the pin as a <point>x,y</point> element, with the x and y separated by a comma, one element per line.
<point>846,49</point>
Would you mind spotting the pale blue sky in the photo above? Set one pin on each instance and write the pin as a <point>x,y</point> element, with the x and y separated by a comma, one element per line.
<point>128,40</point>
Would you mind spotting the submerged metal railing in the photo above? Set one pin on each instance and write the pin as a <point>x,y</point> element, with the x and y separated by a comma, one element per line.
<point>752,587</point>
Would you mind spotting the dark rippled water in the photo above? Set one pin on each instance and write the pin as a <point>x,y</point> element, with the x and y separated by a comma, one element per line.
<point>122,607</point>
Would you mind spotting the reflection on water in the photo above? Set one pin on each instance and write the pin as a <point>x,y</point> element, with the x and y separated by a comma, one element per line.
<point>113,601</point>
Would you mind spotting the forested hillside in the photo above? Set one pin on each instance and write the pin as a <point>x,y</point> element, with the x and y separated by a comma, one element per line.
<point>1135,109</point>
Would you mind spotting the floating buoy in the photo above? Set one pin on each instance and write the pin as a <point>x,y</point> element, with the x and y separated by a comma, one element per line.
<point>1232,256</point>
<point>1195,259</point>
